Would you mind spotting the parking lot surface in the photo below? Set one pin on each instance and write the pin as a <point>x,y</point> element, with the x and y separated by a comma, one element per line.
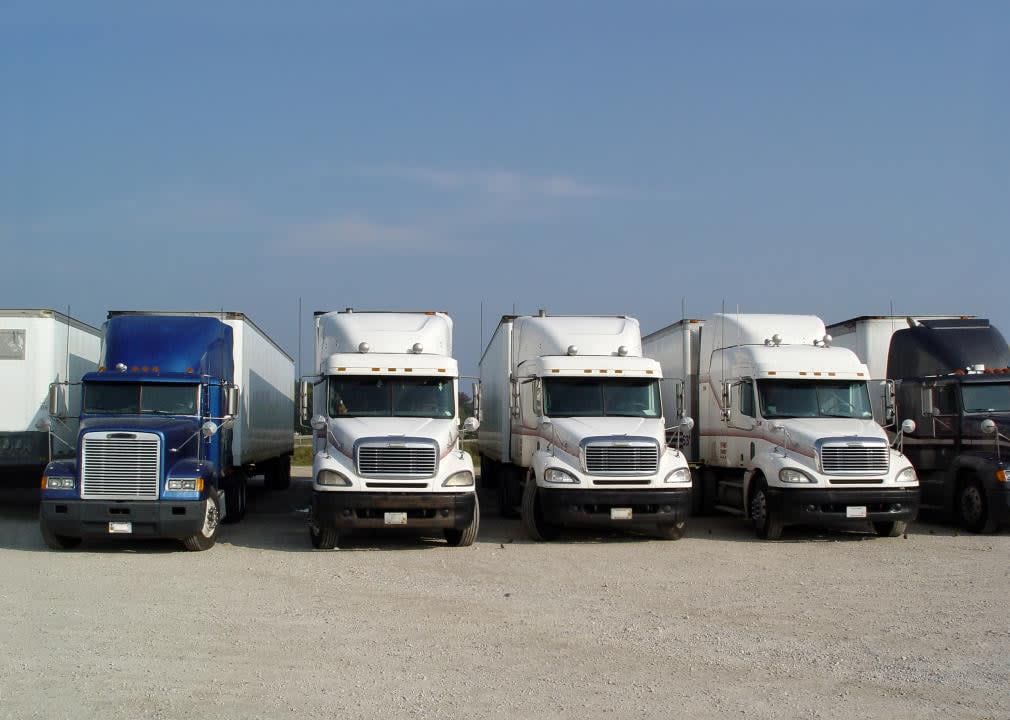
<point>716,625</point>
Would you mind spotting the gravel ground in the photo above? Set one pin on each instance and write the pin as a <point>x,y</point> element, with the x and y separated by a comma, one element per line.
<point>716,625</point>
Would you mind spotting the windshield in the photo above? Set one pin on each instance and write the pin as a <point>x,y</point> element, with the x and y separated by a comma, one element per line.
<point>807,399</point>
<point>598,398</point>
<point>985,397</point>
<point>140,398</point>
<point>426,397</point>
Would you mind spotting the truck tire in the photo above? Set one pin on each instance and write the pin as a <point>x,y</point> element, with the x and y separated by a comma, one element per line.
<point>206,536</point>
<point>532,515</point>
<point>767,524</point>
<point>278,477</point>
<point>709,491</point>
<point>508,498</point>
<point>58,542</point>
<point>236,499</point>
<point>465,537</point>
<point>973,507</point>
<point>324,538</point>
<point>890,529</point>
<point>670,532</point>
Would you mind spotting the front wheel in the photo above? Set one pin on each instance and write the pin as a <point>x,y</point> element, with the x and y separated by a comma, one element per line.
<point>465,537</point>
<point>890,529</point>
<point>767,524</point>
<point>532,514</point>
<point>973,508</point>
<point>205,538</point>
<point>324,538</point>
<point>670,532</point>
<point>58,542</point>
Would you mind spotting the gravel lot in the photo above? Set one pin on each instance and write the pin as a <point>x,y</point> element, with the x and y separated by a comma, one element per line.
<point>716,625</point>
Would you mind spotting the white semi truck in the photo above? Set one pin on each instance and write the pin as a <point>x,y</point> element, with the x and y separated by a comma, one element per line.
<point>385,411</point>
<point>572,427</point>
<point>39,348</point>
<point>785,432</point>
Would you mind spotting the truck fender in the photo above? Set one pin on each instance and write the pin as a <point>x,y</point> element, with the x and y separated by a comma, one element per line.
<point>974,462</point>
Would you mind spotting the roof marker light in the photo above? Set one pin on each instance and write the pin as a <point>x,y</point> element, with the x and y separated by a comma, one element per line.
<point>573,350</point>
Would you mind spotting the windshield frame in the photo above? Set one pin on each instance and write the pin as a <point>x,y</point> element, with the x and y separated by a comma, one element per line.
<point>964,405</point>
<point>139,386</point>
<point>391,381</point>
<point>762,383</point>
<point>650,383</point>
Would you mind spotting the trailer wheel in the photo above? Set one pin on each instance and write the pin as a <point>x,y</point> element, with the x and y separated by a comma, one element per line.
<point>890,529</point>
<point>766,523</point>
<point>205,538</point>
<point>324,538</point>
<point>508,497</point>
<point>708,491</point>
<point>973,508</point>
<point>58,542</point>
<point>465,537</point>
<point>236,499</point>
<point>532,514</point>
<point>670,532</point>
<point>278,475</point>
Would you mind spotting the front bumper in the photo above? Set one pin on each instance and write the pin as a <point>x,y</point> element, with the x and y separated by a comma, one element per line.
<point>798,506</point>
<point>591,508</point>
<point>150,519</point>
<point>347,510</point>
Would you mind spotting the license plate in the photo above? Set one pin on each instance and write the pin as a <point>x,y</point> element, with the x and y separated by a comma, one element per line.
<point>855,511</point>
<point>620,513</point>
<point>395,518</point>
<point>120,528</point>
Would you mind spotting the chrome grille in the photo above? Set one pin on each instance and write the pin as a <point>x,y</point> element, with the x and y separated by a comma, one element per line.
<point>120,466</point>
<point>855,459</point>
<point>609,459</point>
<point>411,461</point>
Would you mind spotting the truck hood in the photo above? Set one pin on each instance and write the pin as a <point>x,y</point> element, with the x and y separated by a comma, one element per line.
<point>569,432</point>
<point>344,432</point>
<point>175,430</point>
<point>804,432</point>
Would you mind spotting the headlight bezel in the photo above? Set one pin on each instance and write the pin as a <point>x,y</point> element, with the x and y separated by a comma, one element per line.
<point>683,471</point>
<point>194,484</point>
<point>795,476</point>
<point>449,481</point>
<point>558,476</point>
<point>908,470</point>
<point>331,478</point>
<point>60,482</point>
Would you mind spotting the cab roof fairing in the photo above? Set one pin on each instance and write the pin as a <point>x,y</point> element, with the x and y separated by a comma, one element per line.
<point>791,362</point>
<point>585,366</point>
<point>406,364</point>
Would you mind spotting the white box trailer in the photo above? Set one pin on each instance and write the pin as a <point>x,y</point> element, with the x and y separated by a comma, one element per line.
<point>784,432</point>
<point>572,428</point>
<point>38,348</point>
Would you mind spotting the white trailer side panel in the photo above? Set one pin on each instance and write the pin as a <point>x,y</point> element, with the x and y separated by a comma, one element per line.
<point>265,374</point>
<point>494,435</point>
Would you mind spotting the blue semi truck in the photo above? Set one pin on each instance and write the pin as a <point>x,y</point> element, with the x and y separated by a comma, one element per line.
<point>183,409</point>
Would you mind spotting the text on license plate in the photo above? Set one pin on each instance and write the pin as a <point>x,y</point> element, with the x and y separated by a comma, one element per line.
<point>620,513</point>
<point>395,518</point>
<point>855,511</point>
<point>120,528</point>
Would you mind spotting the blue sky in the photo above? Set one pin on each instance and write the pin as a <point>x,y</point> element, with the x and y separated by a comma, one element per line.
<point>586,157</point>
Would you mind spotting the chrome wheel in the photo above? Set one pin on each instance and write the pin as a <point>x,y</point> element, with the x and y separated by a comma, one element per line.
<point>210,519</point>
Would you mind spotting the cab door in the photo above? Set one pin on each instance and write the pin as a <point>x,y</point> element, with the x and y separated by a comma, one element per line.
<point>742,423</point>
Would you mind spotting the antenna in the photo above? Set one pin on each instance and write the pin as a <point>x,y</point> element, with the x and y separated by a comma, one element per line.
<point>298,373</point>
<point>480,348</point>
<point>66,378</point>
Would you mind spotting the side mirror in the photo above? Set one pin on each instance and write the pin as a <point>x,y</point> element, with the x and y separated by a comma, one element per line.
<point>304,401</point>
<point>319,422</point>
<point>908,426</point>
<point>231,400</point>
<point>989,426</point>
<point>209,428</point>
<point>538,397</point>
<point>889,411</point>
<point>57,400</point>
<point>686,424</point>
<point>476,399</point>
<point>471,424</point>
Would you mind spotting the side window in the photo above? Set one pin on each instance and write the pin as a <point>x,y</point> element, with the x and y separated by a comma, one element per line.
<point>745,398</point>
<point>946,399</point>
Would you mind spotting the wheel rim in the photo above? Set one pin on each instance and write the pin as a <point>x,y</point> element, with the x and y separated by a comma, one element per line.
<point>971,504</point>
<point>759,508</point>
<point>210,519</point>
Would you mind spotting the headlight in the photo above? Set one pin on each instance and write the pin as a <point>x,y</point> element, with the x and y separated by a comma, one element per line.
<point>557,475</point>
<point>464,478</point>
<point>332,478</point>
<point>184,484</point>
<point>680,475</point>
<point>792,475</point>
<point>907,476</point>
<point>59,483</point>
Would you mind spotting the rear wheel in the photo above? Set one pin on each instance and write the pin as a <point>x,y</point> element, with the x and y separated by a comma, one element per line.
<point>508,490</point>
<point>767,524</point>
<point>58,542</point>
<point>532,514</point>
<point>973,508</point>
<point>278,475</point>
<point>236,499</point>
<point>205,538</point>
<point>890,529</point>
<point>465,537</point>
<point>670,532</point>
